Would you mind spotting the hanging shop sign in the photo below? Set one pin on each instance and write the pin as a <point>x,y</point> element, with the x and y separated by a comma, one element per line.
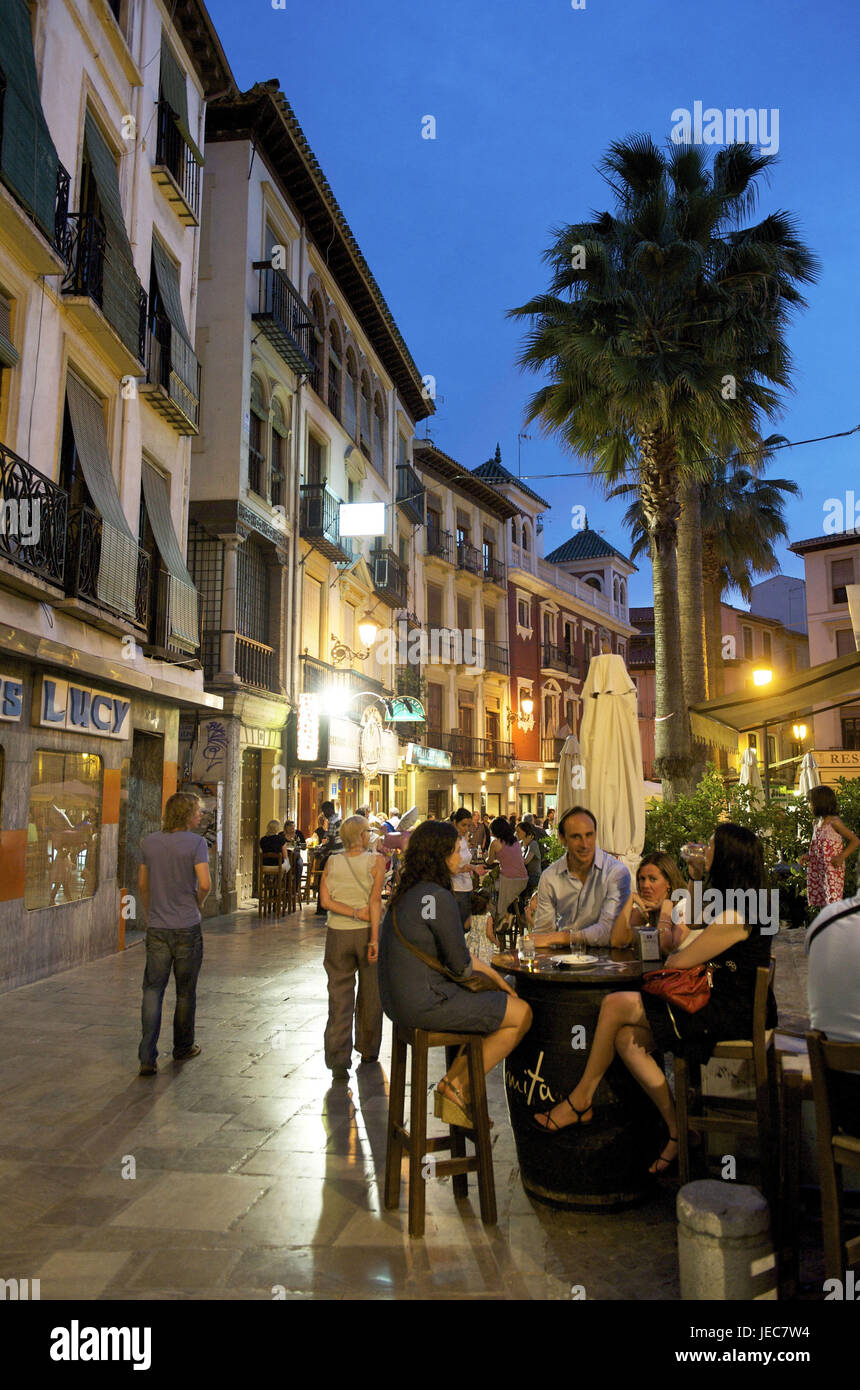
<point>417,756</point>
<point>308,729</point>
<point>370,742</point>
<point>343,738</point>
<point>11,697</point>
<point>64,705</point>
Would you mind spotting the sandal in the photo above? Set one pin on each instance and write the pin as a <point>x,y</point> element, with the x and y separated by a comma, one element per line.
<point>452,1109</point>
<point>662,1165</point>
<point>551,1127</point>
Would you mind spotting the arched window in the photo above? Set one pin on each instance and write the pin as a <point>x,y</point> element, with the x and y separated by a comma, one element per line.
<point>622,593</point>
<point>379,435</point>
<point>615,588</point>
<point>365,441</point>
<point>278,476</point>
<point>595,583</point>
<point>526,536</point>
<point>334,371</point>
<point>515,531</point>
<point>350,404</point>
<point>257,439</point>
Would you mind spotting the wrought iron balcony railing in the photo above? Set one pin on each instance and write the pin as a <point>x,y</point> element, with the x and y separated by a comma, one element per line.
<point>285,319</point>
<point>34,516</point>
<point>173,153</point>
<point>467,751</point>
<point>389,577</point>
<point>255,663</point>
<point>550,749</point>
<point>410,493</point>
<point>318,676</point>
<point>494,571</point>
<point>440,544</point>
<point>96,272</point>
<point>112,586</point>
<point>319,520</point>
<point>174,371</point>
<point>468,558</point>
<point>553,658</point>
<point>496,657</point>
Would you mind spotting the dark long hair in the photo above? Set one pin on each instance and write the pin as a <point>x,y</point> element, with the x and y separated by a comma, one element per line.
<point>503,830</point>
<point>822,802</point>
<point>738,859</point>
<point>425,855</point>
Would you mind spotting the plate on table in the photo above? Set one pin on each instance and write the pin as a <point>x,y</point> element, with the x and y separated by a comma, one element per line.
<point>576,962</point>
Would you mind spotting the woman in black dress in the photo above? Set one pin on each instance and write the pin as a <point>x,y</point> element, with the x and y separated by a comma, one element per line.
<point>418,996</point>
<point>635,1025</point>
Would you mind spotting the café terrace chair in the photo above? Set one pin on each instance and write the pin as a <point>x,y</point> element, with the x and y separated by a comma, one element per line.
<point>313,873</point>
<point>270,890</point>
<point>760,1121</point>
<point>836,1150</point>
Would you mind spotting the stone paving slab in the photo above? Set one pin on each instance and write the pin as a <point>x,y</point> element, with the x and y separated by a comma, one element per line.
<point>251,1172</point>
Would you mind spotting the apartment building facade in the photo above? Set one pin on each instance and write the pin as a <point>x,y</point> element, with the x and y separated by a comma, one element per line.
<point>101,135</point>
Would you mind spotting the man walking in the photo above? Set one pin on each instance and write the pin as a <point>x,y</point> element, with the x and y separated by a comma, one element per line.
<point>173,883</point>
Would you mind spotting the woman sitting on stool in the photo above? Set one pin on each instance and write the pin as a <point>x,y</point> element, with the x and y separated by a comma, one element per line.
<point>415,995</point>
<point>635,1025</point>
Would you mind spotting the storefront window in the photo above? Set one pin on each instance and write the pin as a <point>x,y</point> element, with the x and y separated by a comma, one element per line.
<point>64,828</point>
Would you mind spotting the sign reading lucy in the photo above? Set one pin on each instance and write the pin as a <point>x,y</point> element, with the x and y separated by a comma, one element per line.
<point>11,697</point>
<point>64,705</point>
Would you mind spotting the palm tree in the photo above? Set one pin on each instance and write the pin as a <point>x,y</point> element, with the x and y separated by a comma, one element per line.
<point>649,310</point>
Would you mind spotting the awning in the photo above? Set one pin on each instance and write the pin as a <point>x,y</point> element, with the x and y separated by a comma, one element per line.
<point>175,93</point>
<point>117,579</point>
<point>831,684</point>
<point>121,286</point>
<point>182,595</point>
<point>183,360</point>
<point>28,159</point>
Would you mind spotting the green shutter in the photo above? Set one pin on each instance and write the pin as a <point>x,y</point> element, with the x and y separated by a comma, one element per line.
<point>182,608</point>
<point>175,93</point>
<point>167,277</point>
<point>117,578</point>
<point>121,297</point>
<point>28,159</point>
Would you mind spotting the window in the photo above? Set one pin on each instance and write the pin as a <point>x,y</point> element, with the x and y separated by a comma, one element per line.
<point>748,643</point>
<point>771,750</point>
<point>490,625</point>
<point>334,371</point>
<point>311,612</point>
<point>752,742</point>
<point>548,629</point>
<point>589,645</point>
<point>314,342</point>
<point>64,830</point>
<point>766,645</point>
<point>257,439</point>
<point>434,605</point>
<point>379,436</point>
<point>350,404</point>
<point>515,531</point>
<point>276,245</point>
<point>434,706</point>
<point>841,573</point>
<point>403,549</point>
<point>523,613</point>
<point>315,474</point>
<point>278,477</point>
<point>465,713</point>
<point>464,613</point>
<point>8,352</point>
<point>526,536</point>
<point>569,630</point>
<point>364,441</point>
<point>402,451</point>
<point>595,583</point>
<point>845,642</point>
<point>71,468</point>
<point>851,734</point>
<point>252,592</point>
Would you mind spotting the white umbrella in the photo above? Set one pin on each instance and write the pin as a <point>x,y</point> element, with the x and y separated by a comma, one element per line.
<point>809,775</point>
<point>571,776</point>
<point>750,776</point>
<point>612,757</point>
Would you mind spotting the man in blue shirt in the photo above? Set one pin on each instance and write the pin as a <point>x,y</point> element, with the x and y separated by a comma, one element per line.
<point>587,888</point>
<point>173,883</point>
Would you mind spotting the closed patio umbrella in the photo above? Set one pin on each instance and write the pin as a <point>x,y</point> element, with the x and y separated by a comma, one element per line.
<point>750,776</point>
<point>809,775</point>
<point>571,776</point>
<point>612,757</point>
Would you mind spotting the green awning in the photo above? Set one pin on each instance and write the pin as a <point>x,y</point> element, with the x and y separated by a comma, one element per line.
<point>182,605</point>
<point>403,709</point>
<point>167,277</point>
<point>121,286</point>
<point>28,159</point>
<point>117,578</point>
<point>175,93</point>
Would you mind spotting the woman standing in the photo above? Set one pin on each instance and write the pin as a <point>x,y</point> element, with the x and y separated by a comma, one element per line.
<point>506,851</point>
<point>531,858</point>
<point>831,844</point>
<point>423,915</point>
<point>351,892</point>
<point>636,1025</point>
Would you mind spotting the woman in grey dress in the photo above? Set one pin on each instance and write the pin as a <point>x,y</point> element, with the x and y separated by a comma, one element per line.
<point>417,996</point>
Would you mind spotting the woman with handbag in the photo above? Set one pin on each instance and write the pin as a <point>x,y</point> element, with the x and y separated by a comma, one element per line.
<point>704,996</point>
<point>427,978</point>
<point>351,893</point>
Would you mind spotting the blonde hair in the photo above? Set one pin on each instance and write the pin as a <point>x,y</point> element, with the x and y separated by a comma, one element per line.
<point>273,828</point>
<point>352,830</point>
<point>178,810</point>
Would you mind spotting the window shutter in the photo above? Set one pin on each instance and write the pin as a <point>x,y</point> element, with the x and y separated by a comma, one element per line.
<point>28,159</point>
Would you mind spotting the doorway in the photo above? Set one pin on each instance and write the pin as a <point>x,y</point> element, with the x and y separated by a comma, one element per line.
<point>141,779</point>
<point>249,823</point>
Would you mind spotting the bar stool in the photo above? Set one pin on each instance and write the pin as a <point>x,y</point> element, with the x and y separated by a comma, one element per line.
<point>762,1121</point>
<point>414,1142</point>
<point>269,890</point>
<point>313,873</point>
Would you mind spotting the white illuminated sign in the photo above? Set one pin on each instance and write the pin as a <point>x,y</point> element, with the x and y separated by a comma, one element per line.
<point>308,731</point>
<point>362,518</point>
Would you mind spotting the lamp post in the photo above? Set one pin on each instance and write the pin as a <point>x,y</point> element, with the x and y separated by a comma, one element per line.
<point>761,677</point>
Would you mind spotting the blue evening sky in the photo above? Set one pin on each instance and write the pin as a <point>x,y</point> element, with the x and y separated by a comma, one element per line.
<point>527,95</point>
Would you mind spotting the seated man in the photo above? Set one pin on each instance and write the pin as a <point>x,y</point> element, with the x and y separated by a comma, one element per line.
<point>587,888</point>
<point>833,984</point>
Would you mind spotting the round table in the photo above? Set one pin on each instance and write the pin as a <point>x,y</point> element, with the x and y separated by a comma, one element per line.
<point>604,1164</point>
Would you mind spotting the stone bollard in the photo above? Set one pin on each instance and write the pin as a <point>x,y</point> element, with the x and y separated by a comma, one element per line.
<point>724,1247</point>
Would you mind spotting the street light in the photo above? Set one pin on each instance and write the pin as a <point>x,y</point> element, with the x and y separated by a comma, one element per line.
<point>368,630</point>
<point>799,731</point>
<point>523,716</point>
<point>762,676</point>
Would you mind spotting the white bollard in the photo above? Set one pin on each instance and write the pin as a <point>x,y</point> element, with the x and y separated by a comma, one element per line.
<point>724,1247</point>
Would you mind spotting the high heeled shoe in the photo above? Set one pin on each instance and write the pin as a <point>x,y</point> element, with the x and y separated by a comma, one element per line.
<point>552,1128</point>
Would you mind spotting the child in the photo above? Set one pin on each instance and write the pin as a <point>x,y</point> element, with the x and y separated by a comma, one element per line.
<point>825,871</point>
<point>480,937</point>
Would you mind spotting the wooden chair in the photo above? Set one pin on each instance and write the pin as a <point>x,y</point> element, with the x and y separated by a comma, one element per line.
<point>414,1142</point>
<point>313,873</point>
<point>836,1149</point>
<point>762,1122</point>
<point>270,890</point>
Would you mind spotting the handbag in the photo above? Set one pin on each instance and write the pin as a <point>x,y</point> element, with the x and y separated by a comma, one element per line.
<point>689,989</point>
<point>476,983</point>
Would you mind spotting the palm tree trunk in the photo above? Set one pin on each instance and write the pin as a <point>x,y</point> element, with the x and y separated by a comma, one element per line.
<point>691,603</point>
<point>713,623</point>
<point>658,484</point>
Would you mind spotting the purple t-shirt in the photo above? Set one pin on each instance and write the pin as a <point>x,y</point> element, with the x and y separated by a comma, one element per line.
<point>170,857</point>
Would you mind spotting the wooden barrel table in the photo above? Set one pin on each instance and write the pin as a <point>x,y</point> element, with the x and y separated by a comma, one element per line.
<point>602,1165</point>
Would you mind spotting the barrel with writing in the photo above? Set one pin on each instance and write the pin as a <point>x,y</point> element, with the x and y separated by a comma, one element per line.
<point>598,1166</point>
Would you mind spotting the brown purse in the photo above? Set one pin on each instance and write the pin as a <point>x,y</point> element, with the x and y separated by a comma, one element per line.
<point>689,989</point>
<point>476,983</point>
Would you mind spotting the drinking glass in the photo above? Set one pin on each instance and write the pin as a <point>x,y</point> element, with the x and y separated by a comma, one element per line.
<point>526,949</point>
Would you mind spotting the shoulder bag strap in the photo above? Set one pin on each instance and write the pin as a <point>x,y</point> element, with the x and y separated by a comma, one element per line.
<point>855,907</point>
<point>416,951</point>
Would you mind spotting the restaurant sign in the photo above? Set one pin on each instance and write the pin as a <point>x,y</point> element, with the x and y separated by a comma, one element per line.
<point>65,705</point>
<point>11,697</point>
<point>418,756</point>
<point>839,762</point>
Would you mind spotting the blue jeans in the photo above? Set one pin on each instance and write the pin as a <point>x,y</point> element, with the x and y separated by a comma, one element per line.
<point>181,951</point>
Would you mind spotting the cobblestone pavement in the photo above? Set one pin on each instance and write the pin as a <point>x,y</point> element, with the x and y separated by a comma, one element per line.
<point>250,1169</point>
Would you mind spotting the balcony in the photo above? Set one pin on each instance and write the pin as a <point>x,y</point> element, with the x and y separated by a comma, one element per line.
<point>172,384</point>
<point>172,617</point>
<point>440,545</point>
<point>176,170</point>
<point>27,191</point>
<point>469,558</point>
<point>389,577</point>
<point>498,753</point>
<point>554,658</point>
<point>319,520</point>
<point>319,676</point>
<point>101,575</point>
<point>496,658</point>
<point>285,319</point>
<point>494,571</point>
<point>410,494</point>
<point>33,523</point>
<point>103,292</point>
<point>469,752</point>
<point>255,663</point>
<point>550,749</point>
